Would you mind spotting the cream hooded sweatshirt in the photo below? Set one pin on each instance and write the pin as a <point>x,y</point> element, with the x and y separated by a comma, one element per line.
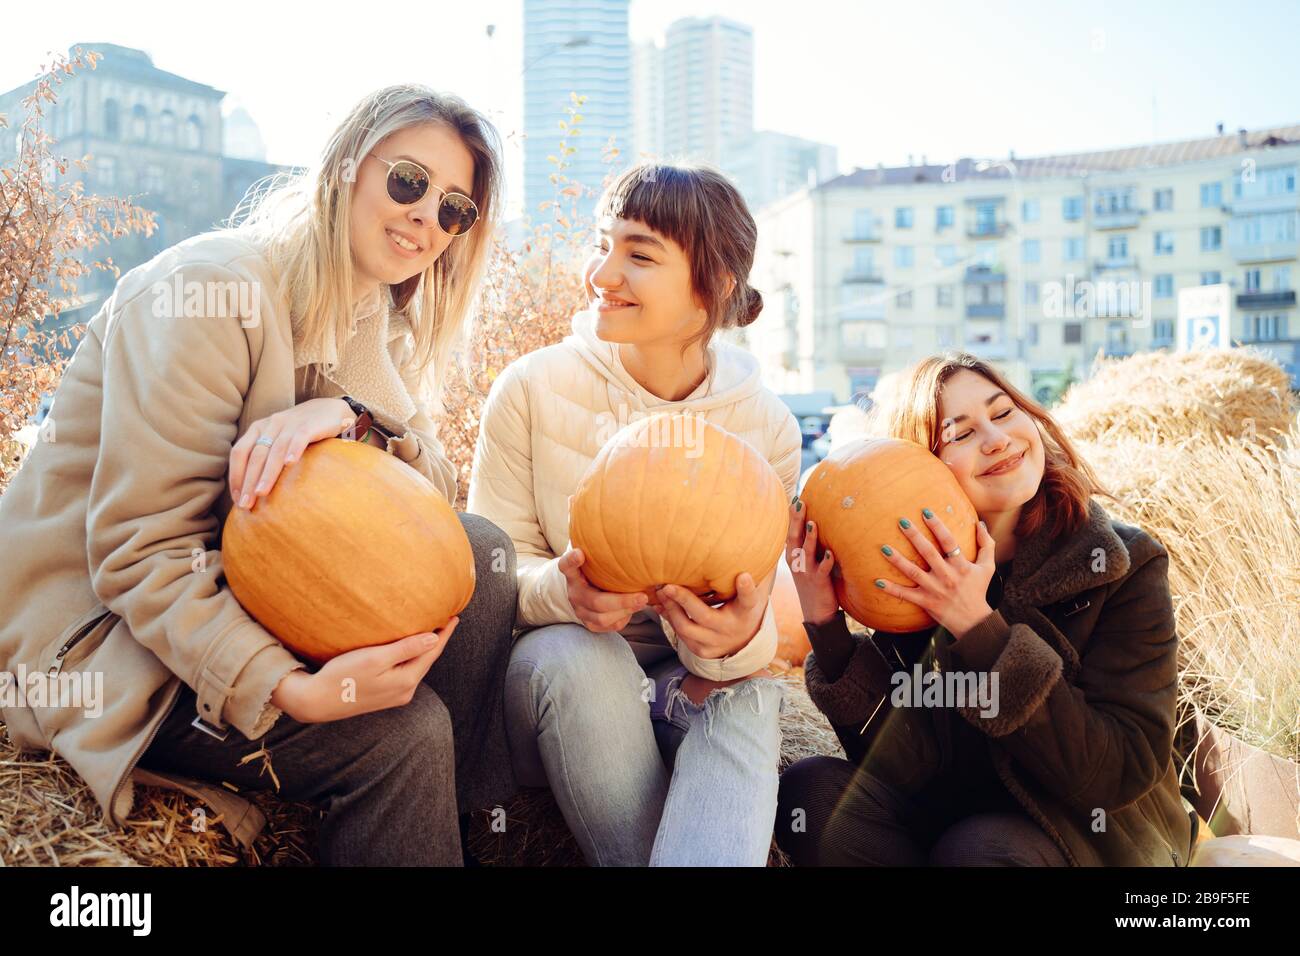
<point>545,420</point>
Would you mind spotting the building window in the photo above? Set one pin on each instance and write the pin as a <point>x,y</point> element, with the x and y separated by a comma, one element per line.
<point>1162,332</point>
<point>1269,227</point>
<point>864,261</point>
<point>112,120</point>
<point>943,296</point>
<point>905,299</point>
<point>1030,250</point>
<point>1164,242</point>
<point>1073,333</point>
<point>903,257</point>
<point>1110,201</point>
<point>193,133</point>
<point>943,217</point>
<point>1031,293</point>
<point>946,255</point>
<point>1072,208</point>
<point>1212,277</point>
<point>1164,286</point>
<point>1117,247</point>
<point>986,218</point>
<point>167,128</point>
<point>903,217</point>
<point>139,123</point>
<point>1211,238</point>
<point>1281,278</point>
<point>1252,280</point>
<point>1072,248</point>
<point>1163,200</point>
<point>1029,210</point>
<point>1211,195</point>
<point>1033,333</point>
<point>151,179</point>
<point>862,224</point>
<point>106,172</point>
<point>1267,328</point>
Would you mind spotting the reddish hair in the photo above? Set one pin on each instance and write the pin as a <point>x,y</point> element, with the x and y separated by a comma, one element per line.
<point>912,412</point>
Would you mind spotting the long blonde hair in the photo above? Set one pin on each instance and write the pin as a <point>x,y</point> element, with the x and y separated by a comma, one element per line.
<point>303,223</point>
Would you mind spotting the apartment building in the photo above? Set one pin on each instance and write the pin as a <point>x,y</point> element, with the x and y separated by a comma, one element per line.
<point>1036,264</point>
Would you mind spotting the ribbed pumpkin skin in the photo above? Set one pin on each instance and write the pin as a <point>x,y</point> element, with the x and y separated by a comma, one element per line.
<point>351,548</point>
<point>856,496</point>
<point>696,513</point>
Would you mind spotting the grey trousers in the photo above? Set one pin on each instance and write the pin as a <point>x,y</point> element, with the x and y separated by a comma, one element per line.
<point>393,782</point>
<point>829,813</point>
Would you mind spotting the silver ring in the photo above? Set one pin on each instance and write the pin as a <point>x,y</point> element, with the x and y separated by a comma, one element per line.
<point>953,553</point>
<point>268,442</point>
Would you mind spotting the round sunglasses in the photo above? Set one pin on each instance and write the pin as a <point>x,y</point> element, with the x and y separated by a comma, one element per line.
<point>408,183</point>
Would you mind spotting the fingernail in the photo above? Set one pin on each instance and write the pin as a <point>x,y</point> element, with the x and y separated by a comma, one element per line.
<point>798,506</point>
<point>927,512</point>
<point>429,639</point>
<point>808,527</point>
<point>904,523</point>
<point>261,489</point>
<point>887,549</point>
<point>794,499</point>
<point>880,584</point>
<point>243,502</point>
<point>290,459</point>
<point>828,556</point>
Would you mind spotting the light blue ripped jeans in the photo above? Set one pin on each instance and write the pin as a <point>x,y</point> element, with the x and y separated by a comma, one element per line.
<point>643,775</point>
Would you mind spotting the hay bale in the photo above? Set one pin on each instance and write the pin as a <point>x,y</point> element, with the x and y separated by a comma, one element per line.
<point>48,817</point>
<point>1167,398</point>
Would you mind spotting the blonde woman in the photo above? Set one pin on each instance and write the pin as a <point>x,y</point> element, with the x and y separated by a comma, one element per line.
<point>330,310</point>
<point>654,724</point>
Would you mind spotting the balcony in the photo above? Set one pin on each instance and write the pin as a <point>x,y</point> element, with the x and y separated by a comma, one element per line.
<point>860,275</point>
<point>1266,300</point>
<point>864,232</point>
<point>1250,205</point>
<point>1117,219</point>
<point>987,230</point>
<point>986,310</point>
<point>992,351</point>
<point>1112,263</point>
<point>984,274</point>
<point>1264,251</point>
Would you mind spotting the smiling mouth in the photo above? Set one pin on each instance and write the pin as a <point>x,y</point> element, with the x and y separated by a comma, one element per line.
<point>402,242</point>
<point>1009,466</point>
<point>613,304</point>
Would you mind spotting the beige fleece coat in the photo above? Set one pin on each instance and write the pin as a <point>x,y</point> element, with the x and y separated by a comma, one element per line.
<point>547,417</point>
<point>111,529</point>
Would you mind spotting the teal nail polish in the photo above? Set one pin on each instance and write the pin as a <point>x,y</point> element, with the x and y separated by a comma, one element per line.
<point>808,527</point>
<point>880,584</point>
<point>798,506</point>
<point>887,549</point>
<point>927,512</point>
<point>904,523</point>
<point>794,499</point>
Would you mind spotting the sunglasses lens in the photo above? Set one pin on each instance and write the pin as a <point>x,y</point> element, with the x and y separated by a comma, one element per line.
<point>407,183</point>
<point>456,214</point>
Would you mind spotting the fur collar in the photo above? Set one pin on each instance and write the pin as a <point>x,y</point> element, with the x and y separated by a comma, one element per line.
<point>1045,572</point>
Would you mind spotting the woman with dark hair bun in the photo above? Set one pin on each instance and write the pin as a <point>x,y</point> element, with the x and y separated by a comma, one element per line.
<point>654,724</point>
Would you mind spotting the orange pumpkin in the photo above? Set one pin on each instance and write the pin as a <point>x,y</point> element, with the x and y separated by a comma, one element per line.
<point>792,644</point>
<point>674,499</point>
<point>351,548</point>
<point>856,496</point>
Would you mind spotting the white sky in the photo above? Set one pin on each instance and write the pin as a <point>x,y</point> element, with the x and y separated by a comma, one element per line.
<point>879,80</point>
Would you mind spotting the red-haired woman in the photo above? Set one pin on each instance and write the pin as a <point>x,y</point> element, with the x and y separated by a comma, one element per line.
<point>1064,613</point>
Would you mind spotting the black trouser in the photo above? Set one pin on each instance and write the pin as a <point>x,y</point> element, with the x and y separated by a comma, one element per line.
<point>392,781</point>
<point>830,814</point>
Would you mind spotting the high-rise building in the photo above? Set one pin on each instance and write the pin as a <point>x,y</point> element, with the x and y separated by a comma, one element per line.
<point>647,100</point>
<point>574,46</point>
<point>767,166</point>
<point>1036,264</point>
<point>708,80</point>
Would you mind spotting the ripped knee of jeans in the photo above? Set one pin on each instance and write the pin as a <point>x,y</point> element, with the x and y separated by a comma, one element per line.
<point>757,695</point>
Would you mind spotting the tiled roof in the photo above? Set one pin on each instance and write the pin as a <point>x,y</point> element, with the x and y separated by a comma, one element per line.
<point>1074,164</point>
